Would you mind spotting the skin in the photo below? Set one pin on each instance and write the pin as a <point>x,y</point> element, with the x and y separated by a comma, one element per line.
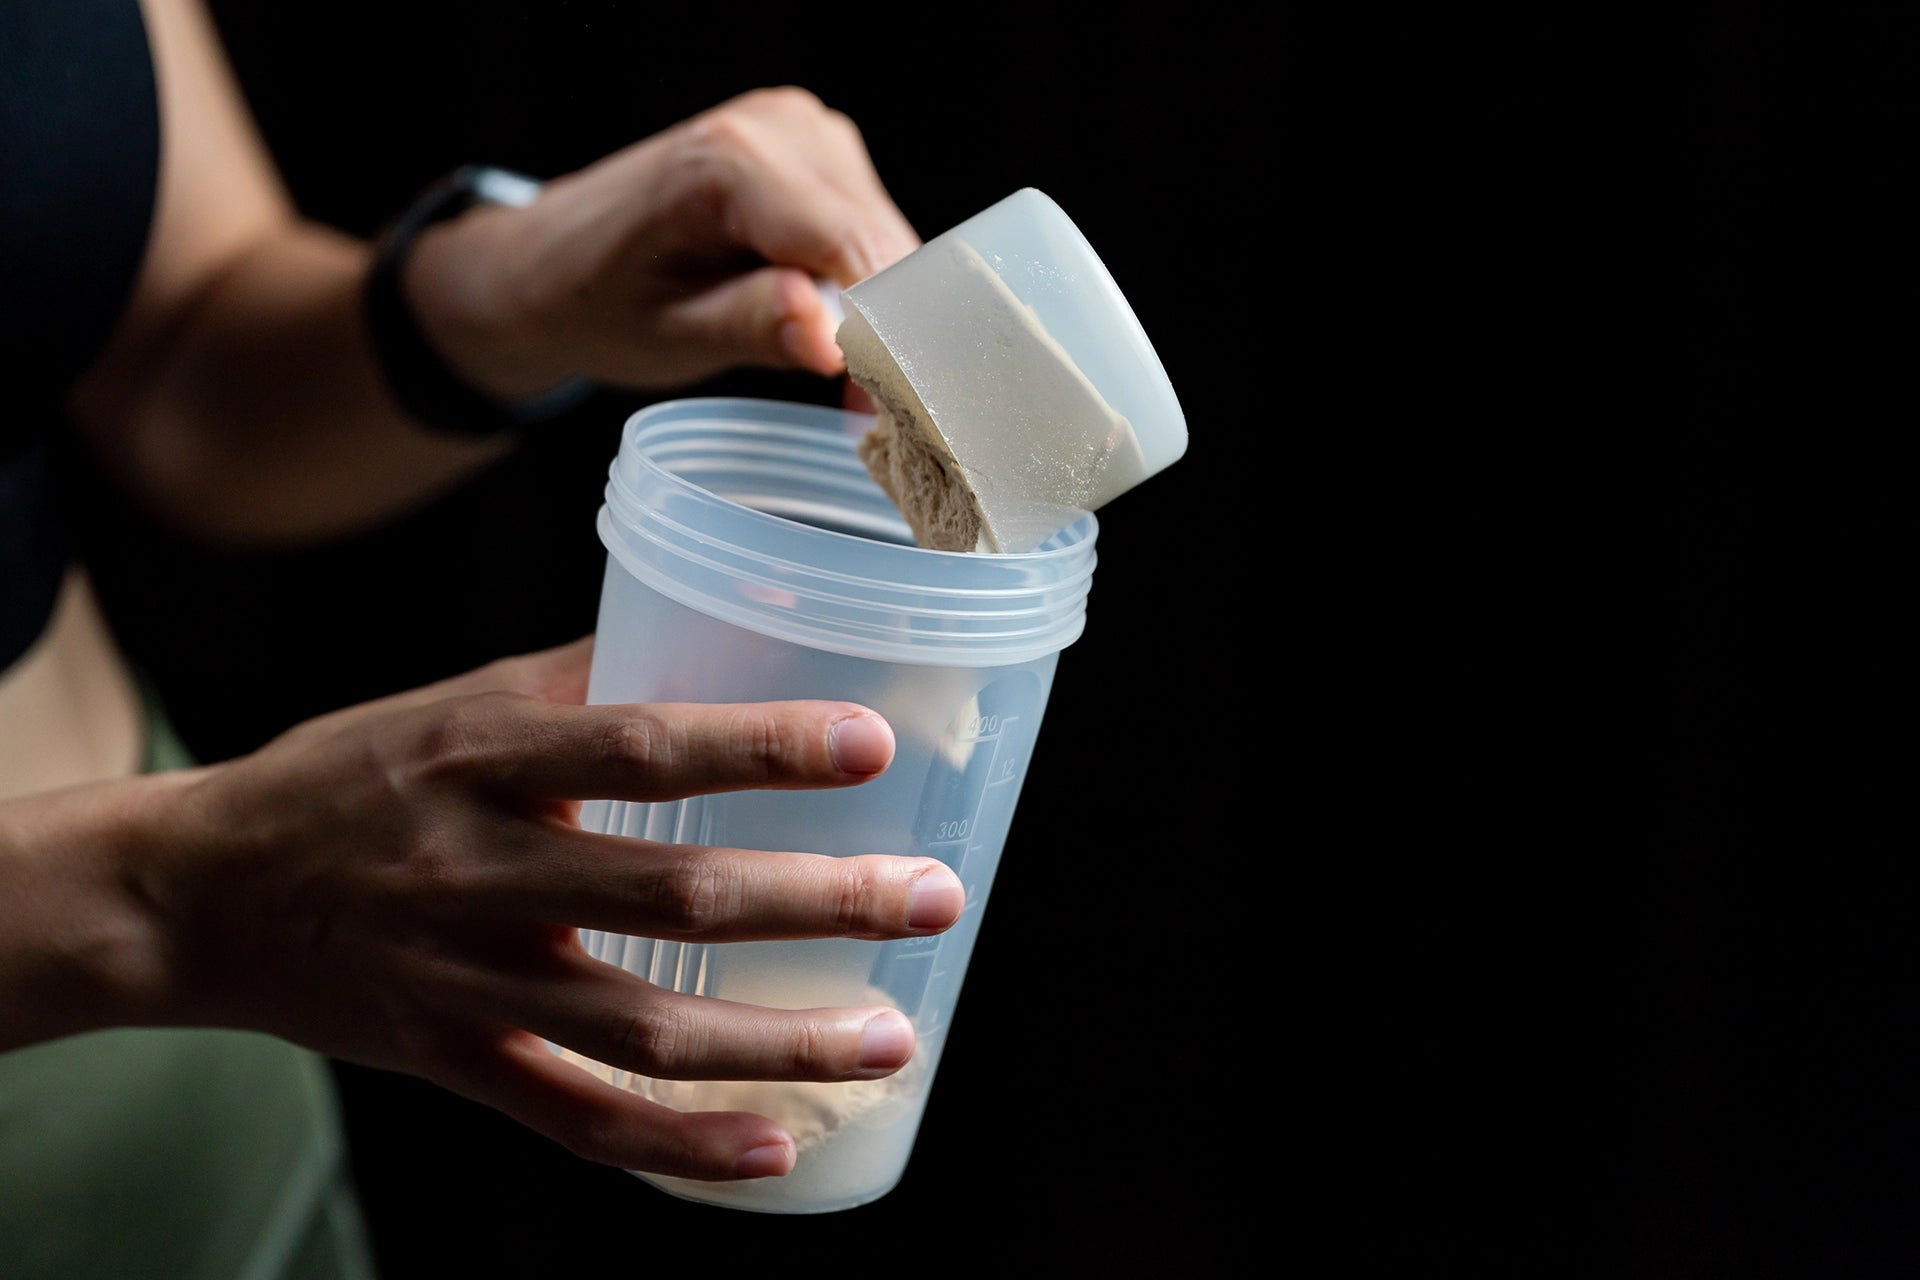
<point>238,398</point>
<point>400,883</point>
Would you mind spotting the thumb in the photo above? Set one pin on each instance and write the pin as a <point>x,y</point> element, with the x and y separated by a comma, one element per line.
<point>558,674</point>
<point>772,317</point>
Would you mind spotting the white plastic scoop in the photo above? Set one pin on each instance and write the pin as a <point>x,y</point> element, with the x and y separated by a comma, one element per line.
<point>1008,348</point>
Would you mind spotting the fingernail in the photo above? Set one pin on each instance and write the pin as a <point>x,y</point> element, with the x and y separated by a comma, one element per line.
<point>830,298</point>
<point>887,1041</point>
<point>770,1161</point>
<point>796,339</point>
<point>811,346</point>
<point>862,744</point>
<point>936,899</point>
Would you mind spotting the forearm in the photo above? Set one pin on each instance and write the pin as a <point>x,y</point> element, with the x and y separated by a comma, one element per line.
<point>238,396</point>
<point>80,947</point>
<point>259,413</point>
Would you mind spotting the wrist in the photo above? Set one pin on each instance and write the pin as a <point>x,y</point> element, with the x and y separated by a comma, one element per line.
<point>461,283</point>
<point>442,317</point>
<point>83,944</point>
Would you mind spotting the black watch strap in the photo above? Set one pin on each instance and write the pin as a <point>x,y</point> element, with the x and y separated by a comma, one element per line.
<point>431,391</point>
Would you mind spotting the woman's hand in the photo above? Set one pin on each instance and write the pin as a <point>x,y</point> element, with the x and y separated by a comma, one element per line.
<point>239,400</point>
<point>400,885</point>
<point>699,249</point>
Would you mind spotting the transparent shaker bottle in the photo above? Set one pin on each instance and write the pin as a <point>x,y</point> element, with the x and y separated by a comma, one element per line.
<point>751,557</point>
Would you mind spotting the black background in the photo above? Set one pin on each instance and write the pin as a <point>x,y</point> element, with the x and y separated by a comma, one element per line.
<point>1473,826</point>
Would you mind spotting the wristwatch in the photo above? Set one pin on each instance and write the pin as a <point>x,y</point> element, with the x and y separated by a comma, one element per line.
<point>424,384</point>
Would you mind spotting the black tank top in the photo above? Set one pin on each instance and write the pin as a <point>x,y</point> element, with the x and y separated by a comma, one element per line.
<point>79,165</point>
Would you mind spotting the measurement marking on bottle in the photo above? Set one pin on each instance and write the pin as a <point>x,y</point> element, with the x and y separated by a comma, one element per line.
<point>953,830</point>
<point>985,726</point>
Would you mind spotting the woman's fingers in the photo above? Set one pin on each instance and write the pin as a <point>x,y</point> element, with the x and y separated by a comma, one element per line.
<point>440,880</point>
<point>617,1018</point>
<point>772,316</point>
<point>546,751</point>
<point>799,187</point>
<point>521,1077</point>
<point>697,249</point>
<point>698,893</point>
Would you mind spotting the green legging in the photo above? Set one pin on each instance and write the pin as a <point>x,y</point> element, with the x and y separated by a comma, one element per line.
<point>174,1154</point>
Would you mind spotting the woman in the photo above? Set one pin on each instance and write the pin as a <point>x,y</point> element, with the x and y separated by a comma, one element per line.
<point>396,884</point>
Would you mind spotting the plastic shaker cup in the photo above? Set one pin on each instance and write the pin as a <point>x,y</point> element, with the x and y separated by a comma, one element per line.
<point>750,557</point>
